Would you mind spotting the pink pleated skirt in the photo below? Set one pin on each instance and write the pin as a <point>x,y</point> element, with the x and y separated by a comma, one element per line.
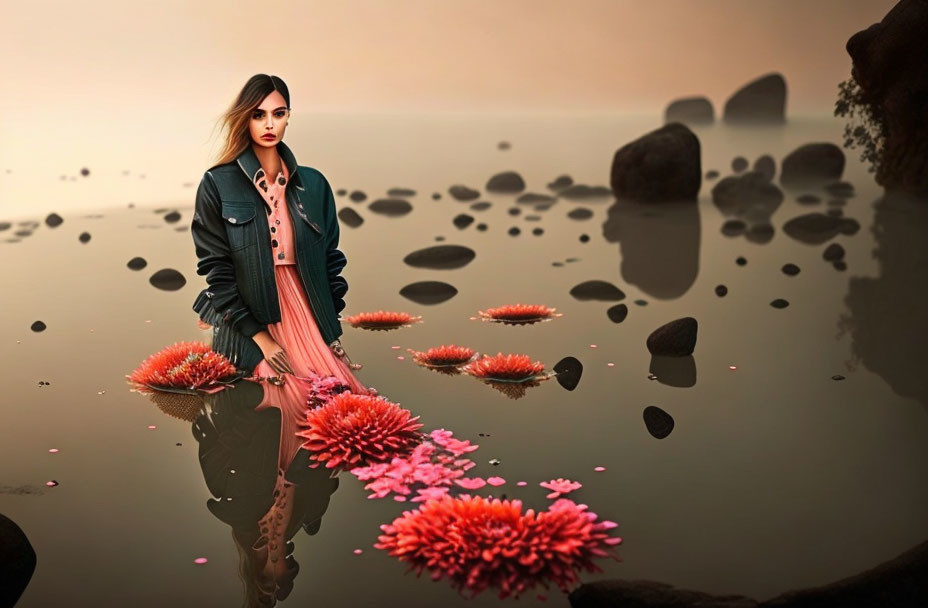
<point>298,334</point>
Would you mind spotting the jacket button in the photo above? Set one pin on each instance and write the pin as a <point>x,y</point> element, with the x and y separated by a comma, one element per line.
<point>280,256</point>
<point>232,220</point>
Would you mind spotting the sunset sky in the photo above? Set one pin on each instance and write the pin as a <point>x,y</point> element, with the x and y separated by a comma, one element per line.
<point>133,77</point>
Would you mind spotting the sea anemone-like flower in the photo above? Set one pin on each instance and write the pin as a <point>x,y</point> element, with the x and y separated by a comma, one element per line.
<point>446,355</point>
<point>382,319</point>
<point>183,366</point>
<point>560,486</point>
<point>509,367</point>
<point>351,430</point>
<point>478,543</point>
<point>518,313</point>
<point>323,388</point>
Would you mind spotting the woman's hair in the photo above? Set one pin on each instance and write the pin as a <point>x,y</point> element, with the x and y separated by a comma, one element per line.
<point>235,120</point>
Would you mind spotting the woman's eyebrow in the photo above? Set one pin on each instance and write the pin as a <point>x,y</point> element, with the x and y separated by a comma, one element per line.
<point>274,110</point>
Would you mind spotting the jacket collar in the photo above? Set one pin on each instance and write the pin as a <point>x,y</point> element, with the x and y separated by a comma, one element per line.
<point>249,163</point>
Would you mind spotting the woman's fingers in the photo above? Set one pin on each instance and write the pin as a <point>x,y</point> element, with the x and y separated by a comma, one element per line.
<point>281,363</point>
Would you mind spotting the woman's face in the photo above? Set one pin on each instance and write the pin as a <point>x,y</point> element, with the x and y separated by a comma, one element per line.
<point>269,118</point>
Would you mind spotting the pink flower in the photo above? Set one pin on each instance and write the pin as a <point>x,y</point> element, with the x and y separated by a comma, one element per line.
<point>560,486</point>
<point>470,483</point>
<point>455,446</point>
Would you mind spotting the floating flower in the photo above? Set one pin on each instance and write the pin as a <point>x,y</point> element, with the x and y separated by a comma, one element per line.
<point>382,319</point>
<point>471,483</point>
<point>560,486</point>
<point>518,313</point>
<point>446,355</point>
<point>478,543</point>
<point>509,367</point>
<point>183,366</point>
<point>352,430</point>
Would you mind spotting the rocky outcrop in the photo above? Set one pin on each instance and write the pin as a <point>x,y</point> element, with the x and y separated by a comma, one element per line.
<point>762,101</point>
<point>691,111</point>
<point>17,561</point>
<point>663,165</point>
<point>812,164</point>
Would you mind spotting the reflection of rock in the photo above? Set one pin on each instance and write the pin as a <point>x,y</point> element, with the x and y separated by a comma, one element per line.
<point>690,110</point>
<point>597,290</point>
<point>812,165</point>
<point>17,561</point>
<point>889,66</point>
<point>886,318</point>
<point>645,233</point>
<point>674,371</point>
<point>766,166</point>
<point>583,191</point>
<point>818,228</point>
<point>751,198</point>
<point>661,165</point>
<point>760,101</point>
<point>900,582</point>
<point>674,339</point>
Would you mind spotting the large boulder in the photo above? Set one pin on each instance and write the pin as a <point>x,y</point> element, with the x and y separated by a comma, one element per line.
<point>662,165</point>
<point>691,111</point>
<point>674,339</point>
<point>760,101</point>
<point>17,561</point>
<point>812,164</point>
<point>889,67</point>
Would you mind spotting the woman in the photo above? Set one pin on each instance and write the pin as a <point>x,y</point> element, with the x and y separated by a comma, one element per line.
<point>274,285</point>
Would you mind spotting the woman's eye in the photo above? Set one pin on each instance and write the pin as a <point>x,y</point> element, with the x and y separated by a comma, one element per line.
<point>280,114</point>
<point>257,115</point>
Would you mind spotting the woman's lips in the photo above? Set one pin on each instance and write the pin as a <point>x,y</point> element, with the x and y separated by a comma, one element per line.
<point>268,137</point>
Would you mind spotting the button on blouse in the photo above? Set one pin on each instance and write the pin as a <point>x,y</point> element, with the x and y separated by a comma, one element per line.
<point>274,194</point>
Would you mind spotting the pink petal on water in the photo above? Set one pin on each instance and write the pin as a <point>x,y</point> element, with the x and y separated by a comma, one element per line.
<point>521,483</point>
<point>152,426</point>
<point>599,469</point>
<point>610,364</point>
<point>400,357</point>
<point>399,498</point>
<point>51,483</point>
<point>53,451</point>
<point>395,347</point>
<point>592,346</point>
<point>357,552</point>
<point>732,367</point>
<point>200,560</point>
<point>495,481</point>
<point>470,483</point>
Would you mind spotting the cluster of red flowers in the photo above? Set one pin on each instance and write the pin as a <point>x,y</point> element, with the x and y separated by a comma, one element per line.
<point>381,319</point>
<point>183,365</point>
<point>479,543</point>
<point>517,312</point>
<point>504,367</point>
<point>446,354</point>
<point>352,430</point>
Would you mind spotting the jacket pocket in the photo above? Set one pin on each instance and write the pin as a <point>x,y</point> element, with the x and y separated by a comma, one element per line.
<point>240,225</point>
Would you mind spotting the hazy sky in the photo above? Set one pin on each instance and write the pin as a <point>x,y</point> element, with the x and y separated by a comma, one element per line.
<point>135,77</point>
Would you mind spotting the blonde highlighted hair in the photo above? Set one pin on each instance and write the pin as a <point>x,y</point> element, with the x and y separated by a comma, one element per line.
<point>235,120</point>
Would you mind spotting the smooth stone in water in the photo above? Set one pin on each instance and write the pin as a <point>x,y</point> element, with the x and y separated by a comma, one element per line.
<point>674,339</point>
<point>779,303</point>
<point>137,263</point>
<point>168,279</point>
<point>721,291</point>
<point>597,290</point>
<point>53,220</point>
<point>790,269</point>
<point>833,253</point>
<point>441,257</point>
<point>569,370</point>
<point>350,217</point>
<point>463,193</point>
<point>617,313</point>
<point>462,220</point>
<point>38,326</point>
<point>658,422</point>
<point>429,292</point>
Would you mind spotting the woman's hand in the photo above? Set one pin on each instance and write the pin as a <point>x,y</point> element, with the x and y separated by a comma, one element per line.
<point>203,324</point>
<point>339,351</point>
<point>273,353</point>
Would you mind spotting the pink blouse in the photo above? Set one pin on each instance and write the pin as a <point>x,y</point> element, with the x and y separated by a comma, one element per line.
<point>274,194</point>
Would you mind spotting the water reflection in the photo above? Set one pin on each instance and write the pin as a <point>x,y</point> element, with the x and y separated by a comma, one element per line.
<point>264,504</point>
<point>886,317</point>
<point>659,245</point>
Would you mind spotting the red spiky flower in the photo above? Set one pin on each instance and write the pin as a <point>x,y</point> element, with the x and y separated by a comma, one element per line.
<point>446,355</point>
<point>518,313</point>
<point>382,319</point>
<point>184,366</point>
<point>509,367</point>
<point>353,430</point>
<point>479,543</point>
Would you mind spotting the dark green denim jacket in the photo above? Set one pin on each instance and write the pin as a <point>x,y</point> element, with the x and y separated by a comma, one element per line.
<point>231,235</point>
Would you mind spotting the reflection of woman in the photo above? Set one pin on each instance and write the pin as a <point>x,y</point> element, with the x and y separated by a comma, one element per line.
<point>274,286</point>
<point>265,505</point>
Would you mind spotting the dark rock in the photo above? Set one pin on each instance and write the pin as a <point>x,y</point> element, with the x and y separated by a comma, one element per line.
<point>481,227</point>
<point>617,313</point>
<point>839,265</point>
<point>733,227</point>
<point>579,192</point>
<point>750,197</point>
<point>17,561</point>
<point>674,339</point>
<point>584,238</point>
<point>818,228</point>
<point>679,372</point>
<point>5,226</point>
<point>341,192</point>
<point>503,145</point>
<point>790,269</point>
<point>766,166</point>
<point>508,181</point>
<point>532,218</point>
<point>808,199</point>
<point>597,290</point>
<point>349,217</point>
<point>721,291</point>
<point>580,213</point>
<point>650,594</point>
<point>463,193</point>
<point>137,263</point>
<point>534,197</point>
<point>837,377</point>
<point>840,189</point>
<point>85,171</point>
<point>661,165</point>
<point>167,279</point>
<point>641,302</point>
<point>441,257</point>
<point>561,182</point>
<point>37,326</point>
<point>436,196</point>
<point>84,237</point>
<point>712,174</point>
<point>812,165</point>
<point>759,233</point>
<point>401,192</point>
<point>658,422</point>
<point>514,231</point>
<point>739,164</point>
<point>481,206</point>
<point>429,292</point>
<point>462,220</point>
<point>514,211</point>
<point>690,110</point>
<point>760,101</point>
<point>833,253</point>
<point>538,231</point>
<point>357,196</point>
<point>741,260</point>
<point>390,207</point>
<point>779,303</point>
<point>172,217</point>
<point>53,220</point>
<point>569,370</point>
